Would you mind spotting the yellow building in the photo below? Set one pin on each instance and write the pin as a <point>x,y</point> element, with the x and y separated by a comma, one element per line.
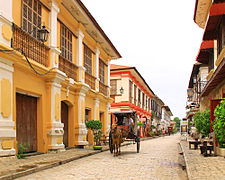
<point>49,89</point>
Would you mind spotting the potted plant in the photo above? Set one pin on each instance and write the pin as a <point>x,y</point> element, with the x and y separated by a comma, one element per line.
<point>95,126</point>
<point>219,126</point>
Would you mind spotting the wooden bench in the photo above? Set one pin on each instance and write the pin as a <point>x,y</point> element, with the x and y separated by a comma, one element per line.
<point>196,143</point>
<point>205,147</point>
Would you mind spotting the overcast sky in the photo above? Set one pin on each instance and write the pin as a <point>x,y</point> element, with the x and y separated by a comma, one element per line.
<point>159,38</point>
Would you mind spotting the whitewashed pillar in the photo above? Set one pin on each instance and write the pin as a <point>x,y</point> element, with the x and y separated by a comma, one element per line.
<point>7,131</point>
<point>97,53</point>
<point>80,127</point>
<point>56,132</point>
<point>108,118</point>
<point>96,109</point>
<point>108,80</point>
<point>54,51</point>
<point>80,55</point>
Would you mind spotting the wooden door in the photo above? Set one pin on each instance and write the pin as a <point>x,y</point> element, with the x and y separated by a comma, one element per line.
<point>26,121</point>
<point>64,119</point>
<point>213,104</point>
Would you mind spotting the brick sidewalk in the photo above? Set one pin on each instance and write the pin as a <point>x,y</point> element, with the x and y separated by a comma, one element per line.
<point>200,167</point>
<point>11,167</point>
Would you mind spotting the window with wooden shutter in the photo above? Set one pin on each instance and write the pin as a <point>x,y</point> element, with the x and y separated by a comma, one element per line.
<point>130,91</point>
<point>88,60</point>
<point>113,84</point>
<point>135,95</point>
<point>139,97</point>
<point>31,17</point>
<point>66,43</point>
<point>102,71</point>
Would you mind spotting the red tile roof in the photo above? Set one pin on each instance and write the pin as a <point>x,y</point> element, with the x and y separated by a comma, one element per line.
<point>115,66</point>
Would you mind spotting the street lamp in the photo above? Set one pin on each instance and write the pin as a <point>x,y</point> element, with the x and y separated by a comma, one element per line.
<point>43,34</point>
<point>121,90</point>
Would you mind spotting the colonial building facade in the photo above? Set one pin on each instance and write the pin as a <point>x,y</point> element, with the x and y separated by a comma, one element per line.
<point>49,89</point>
<point>130,91</point>
<point>209,15</point>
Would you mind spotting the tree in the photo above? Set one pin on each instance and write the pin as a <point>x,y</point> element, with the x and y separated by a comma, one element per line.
<point>177,121</point>
<point>95,126</point>
<point>202,122</point>
<point>219,123</point>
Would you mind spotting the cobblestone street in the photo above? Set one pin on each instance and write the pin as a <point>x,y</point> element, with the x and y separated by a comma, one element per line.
<point>158,159</point>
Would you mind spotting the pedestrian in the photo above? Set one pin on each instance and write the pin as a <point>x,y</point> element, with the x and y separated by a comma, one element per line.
<point>164,132</point>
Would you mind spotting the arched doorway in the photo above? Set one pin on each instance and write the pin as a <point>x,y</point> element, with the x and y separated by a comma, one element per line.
<point>64,120</point>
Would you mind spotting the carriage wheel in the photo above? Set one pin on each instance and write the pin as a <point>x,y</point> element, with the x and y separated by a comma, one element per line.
<point>138,142</point>
<point>110,142</point>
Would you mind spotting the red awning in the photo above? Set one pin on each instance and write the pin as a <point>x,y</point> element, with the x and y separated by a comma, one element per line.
<point>204,51</point>
<point>215,14</point>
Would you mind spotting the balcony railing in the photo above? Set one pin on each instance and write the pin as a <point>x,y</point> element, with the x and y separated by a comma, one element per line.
<point>68,67</point>
<point>90,80</point>
<point>102,88</point>
<point>30,46</point>
<point>200,86</point>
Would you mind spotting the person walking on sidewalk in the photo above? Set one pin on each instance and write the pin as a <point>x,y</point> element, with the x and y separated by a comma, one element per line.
<point>163,132</point>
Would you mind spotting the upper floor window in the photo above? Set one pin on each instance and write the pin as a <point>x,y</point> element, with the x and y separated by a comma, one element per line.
<point>139,97</point>
<point>88,60</point>
<point>113,84</point>
<point>130,91</point>
<point>31,17</point>
<point>66,43</point>
<point>102,71</point>
<point>135,94</point>
<point>221,35</point>
<point>143,100</point>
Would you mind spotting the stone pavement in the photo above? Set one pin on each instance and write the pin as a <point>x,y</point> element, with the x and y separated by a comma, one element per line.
<point>157,160</point>
<point>11,167</point>
<point>202,168</point>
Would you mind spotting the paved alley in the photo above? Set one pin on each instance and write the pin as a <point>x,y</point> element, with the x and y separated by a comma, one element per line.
<point>158,159</point>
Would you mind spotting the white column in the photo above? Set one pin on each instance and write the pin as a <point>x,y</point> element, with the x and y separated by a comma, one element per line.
<point>80,128</point>
<point>97,53</point>
<point>56,132</point>
<point>108,118</point>
<point>54,51</point>
<point>7,125</point>
<point>96,109</point>
<point>80,36</point>
<point>6,22</point>
<point>108,79</point>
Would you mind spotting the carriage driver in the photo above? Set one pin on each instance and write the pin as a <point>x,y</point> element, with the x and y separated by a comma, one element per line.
<point>128,121</point>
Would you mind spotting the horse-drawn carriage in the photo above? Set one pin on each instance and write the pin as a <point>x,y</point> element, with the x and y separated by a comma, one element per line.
<point>126,123</point>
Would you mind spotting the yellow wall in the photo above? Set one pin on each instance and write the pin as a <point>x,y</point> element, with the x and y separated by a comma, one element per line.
<point>32,84</point>
<point>17,12</point>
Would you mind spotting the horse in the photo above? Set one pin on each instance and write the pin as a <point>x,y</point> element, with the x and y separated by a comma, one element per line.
<point>116,140</point>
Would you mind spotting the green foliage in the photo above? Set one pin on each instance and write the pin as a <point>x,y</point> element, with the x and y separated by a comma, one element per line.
<point>219,123</point>
<point>175,130</point>
<point>177,121</point>
<point>153,127</point>
<point>202,122</point>
<point>153,115</point>
<point>21,150</point>
<point>140,123</point>
<point>95,126</point>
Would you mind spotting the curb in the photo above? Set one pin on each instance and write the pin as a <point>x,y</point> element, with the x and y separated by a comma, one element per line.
<point>185,160</point>
<point>54,164</point>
